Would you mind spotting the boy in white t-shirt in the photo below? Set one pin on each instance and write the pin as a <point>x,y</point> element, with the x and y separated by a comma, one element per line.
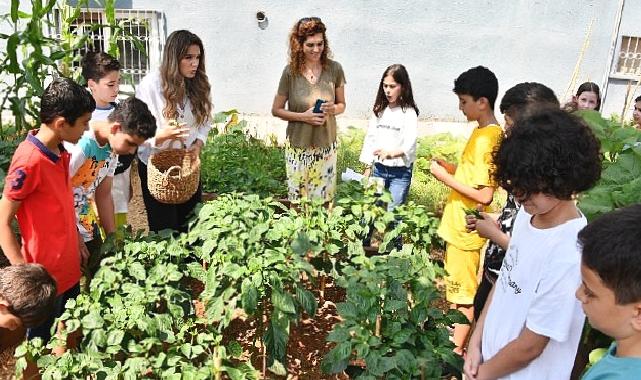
<point>531,324</point>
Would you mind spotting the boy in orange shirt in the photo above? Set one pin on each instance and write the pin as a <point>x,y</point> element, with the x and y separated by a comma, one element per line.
<point>471,184</point>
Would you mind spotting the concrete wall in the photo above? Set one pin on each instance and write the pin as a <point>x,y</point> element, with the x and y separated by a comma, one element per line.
<point>538,40</point>
<point>618,88</point>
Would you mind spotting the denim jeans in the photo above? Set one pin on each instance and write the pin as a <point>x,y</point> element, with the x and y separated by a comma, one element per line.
<point>44,330</point>
<point>397,180</point>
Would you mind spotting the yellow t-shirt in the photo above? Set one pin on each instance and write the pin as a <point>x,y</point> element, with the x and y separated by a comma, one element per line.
<point>474,169</point>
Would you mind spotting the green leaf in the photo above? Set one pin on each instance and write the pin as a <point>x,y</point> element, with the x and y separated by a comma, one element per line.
<point>275,339</point>
<point>277,368</point>
<point>14,10</point>
<point>284,302</point>
<point>137,271</point>
<point>235,349</point>
<point>249,297</point>
<point>92,321</point>
<point>307,300</point>
<point>115,337</point>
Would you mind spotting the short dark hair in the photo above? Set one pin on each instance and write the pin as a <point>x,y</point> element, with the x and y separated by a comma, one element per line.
<point>96,65</point>
<point>612,248</point>
<point>134,118</point>
<point>478,82</point>
<point>518,98</point>
<point>638,99</point>
<point>64,97</point>
<point>30,292</point>
<point>548,151</point>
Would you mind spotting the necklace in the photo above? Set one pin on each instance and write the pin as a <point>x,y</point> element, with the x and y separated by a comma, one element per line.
<point>180,109</point>
<point>312,74</point>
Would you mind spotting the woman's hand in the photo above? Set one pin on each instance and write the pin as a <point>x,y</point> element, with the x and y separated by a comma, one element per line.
<point>311,118</point>
<point>172,131</point>
<point>328,108</point>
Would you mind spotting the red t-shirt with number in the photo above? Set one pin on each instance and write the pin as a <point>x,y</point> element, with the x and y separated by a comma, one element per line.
<point>39,179</point>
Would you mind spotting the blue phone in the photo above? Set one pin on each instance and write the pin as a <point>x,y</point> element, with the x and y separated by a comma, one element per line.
<point>317,106</point>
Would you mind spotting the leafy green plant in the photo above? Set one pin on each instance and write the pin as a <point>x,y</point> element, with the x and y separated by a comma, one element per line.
<point>31,55</point>
<point>389,322</point>
<point>620,183</point>
<point>235,162</point>
<point>137,320</point>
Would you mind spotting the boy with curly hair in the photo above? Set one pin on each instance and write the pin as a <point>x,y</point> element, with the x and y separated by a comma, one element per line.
<point>531,324</point>
<point>471,184</point>
<point>610,292</point>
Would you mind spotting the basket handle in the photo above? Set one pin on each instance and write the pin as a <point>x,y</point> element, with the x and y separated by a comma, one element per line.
<point>173,169</point>
<point>180,141</point>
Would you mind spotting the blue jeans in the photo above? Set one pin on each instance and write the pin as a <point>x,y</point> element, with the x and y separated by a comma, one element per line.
<point>397,180</point>
<point>44,330</point>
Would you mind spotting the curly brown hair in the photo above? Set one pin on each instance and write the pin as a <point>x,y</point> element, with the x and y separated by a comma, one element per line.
<point>175,86</point>
<point>304,28</point>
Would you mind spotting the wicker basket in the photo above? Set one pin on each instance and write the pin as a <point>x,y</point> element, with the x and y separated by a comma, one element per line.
<point>173,175</point>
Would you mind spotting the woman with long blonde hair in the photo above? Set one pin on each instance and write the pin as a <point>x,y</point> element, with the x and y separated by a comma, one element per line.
<point>179,92</point>
<point>310,77</point>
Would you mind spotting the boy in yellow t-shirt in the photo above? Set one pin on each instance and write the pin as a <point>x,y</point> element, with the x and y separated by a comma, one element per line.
<point>471,184</point>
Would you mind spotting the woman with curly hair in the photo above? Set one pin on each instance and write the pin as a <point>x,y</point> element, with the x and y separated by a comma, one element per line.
<point>179,92</point>
<point>310,77</point>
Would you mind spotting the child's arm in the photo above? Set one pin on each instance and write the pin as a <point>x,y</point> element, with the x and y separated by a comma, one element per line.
<point>483,194</point>
<point>8,242</point>
<point>105,205</point>
<point>474,356</point>
<point>515,355</point>
<point>488,228</point>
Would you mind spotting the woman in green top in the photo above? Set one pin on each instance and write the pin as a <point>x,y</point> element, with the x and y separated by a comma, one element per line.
<point>310,76</point>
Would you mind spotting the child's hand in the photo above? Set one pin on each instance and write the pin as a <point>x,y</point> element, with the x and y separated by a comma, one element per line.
<point>487,227</point>
<point>470,222</point>
<point>438,171</point>
<point>449,167</point>
<point>473,360</point>
<point>311,118</point>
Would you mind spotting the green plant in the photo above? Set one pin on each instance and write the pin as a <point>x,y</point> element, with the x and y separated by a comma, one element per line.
<point>389,321</point>
<point>137,320</point>
<point>620,183</point>
<point>32,56</point>
<point>234,162</point>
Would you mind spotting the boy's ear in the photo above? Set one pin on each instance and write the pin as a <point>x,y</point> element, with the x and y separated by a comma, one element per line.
<point>91,84</point>
<point>115,128</point>
<point>59,122</point>
<point>484,102</point>
<point>8,320</point>
<point>636,318</point>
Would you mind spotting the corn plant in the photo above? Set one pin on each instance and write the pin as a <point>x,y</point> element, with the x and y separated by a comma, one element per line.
<point>32,55</point>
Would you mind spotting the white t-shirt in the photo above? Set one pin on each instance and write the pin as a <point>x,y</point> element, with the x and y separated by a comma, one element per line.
<point>535,289</point>
<point>150,91</point>
<point>395,129</point>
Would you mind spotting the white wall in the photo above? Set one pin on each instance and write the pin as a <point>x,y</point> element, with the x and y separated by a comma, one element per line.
<point>519,40</point>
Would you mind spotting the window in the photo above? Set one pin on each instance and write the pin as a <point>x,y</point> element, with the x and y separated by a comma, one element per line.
<point>145,25</point>
<point>629,60</point>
